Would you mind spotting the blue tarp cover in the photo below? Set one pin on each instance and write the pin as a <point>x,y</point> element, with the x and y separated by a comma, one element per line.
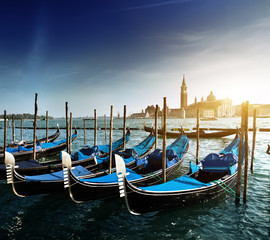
<point>112,178</point>
<point>24,164</point>
<point>116,144</point>
<point>102,159</point>
<point>11,150</point>
<point>179,145</point>
<point>233,147</point>
<point>56,176</point>
<point>224,161</point>
<point>181,183</point>
<point>85,153</point>
<point>38,146</point>
<point>126,153</point>
<point>145,145</point>
<point>193,167</point>
<point>218,163</point>
<point>53,144</point>
<point>174,152</point>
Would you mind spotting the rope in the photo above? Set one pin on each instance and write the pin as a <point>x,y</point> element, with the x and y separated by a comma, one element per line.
<point>192,155</point>
<point>106,171</point>
<point>54,166</point>
<point>153,175</point>
<point>230,191</point>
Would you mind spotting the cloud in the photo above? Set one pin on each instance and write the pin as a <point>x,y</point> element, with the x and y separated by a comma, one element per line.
<point>64,75</point>
<point>152,5</point>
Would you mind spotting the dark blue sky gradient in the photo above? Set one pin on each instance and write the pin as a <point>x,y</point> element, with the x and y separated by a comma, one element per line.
<point>97,53</point>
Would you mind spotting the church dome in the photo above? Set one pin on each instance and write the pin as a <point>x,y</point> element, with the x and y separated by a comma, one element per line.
<point>211,97</point>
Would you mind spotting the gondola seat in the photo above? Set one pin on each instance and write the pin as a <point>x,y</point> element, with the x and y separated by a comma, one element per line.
<point>219,163</point>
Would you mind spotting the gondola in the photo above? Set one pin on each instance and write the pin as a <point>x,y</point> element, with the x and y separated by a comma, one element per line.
<point>84,157</point>
<point>147,173</point>
<point>207,180</point>
<point>15,144</point>
<point>209,119</point>
<point>53,182</point>
<point>202,134</point>
<point>42,150</point>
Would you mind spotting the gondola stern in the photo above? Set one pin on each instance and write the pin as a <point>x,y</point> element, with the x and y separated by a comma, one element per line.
<point>10,166</point>
<point>121,174</point>
<point>67,167</point>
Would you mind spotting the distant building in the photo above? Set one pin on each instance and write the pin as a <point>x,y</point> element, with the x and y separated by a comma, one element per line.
<point>176,112</point>
<point>183,94</point>
<point>263,110</point>
<point>211,107</point>
<point>138,115</point>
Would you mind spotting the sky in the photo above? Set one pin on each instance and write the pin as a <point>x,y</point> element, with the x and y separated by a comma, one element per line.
<point>98,53</point>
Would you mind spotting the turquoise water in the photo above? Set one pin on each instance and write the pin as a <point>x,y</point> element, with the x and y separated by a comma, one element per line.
<point>55,216</point>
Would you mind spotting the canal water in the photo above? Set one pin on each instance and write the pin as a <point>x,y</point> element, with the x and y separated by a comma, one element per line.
<point>55,216</point>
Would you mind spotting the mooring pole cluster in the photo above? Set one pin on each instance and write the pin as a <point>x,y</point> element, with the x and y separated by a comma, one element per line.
<point>243,154</point>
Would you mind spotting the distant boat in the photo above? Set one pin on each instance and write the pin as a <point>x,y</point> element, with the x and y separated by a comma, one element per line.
<point>209,119</point>
<point>263,117</point>
<point>203,134</point>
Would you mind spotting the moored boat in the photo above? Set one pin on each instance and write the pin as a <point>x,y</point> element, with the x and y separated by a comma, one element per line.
<point>15,144</point>
<point>22,153</point>
<point>213,176</point>
<point>24,185</point>
<point>84,157</point>
<point>148,172</point>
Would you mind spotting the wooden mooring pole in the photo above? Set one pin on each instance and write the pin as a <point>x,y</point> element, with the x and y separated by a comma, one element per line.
<point>35,128</point>
<point>253,140</point>
<point>246,154</point>
<point>164,163</point>
<point>110,143</point>
<point>21,129</point>
<point>156,127</point>
<point>13,127</point>
<point>105,127</point>
<point>84,131</point>
<point>124,127</point>
<point>67,128</point>
<point>240,157</point>
<point>198,136</point>
<point>5,130</point>
<point>95,128</point>
<point>47,127</point>
<point>70,131</point>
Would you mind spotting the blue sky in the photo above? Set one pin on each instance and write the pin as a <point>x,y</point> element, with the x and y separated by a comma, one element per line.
<point>94,54</point>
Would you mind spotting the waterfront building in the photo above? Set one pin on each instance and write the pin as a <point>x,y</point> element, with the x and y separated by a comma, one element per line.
<point>209,108</point>
<point>263,110</point>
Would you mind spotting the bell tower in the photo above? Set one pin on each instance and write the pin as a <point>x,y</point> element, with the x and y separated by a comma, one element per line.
<point>183,94</point>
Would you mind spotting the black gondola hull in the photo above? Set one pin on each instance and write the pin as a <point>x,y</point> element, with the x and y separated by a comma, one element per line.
<point>143,201</point>
<point>41,140</point>
<point>86,191</point>
<point>213,134</point>
<point>27,155</point>
<point>23,188</point>
<point>56,165</point>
